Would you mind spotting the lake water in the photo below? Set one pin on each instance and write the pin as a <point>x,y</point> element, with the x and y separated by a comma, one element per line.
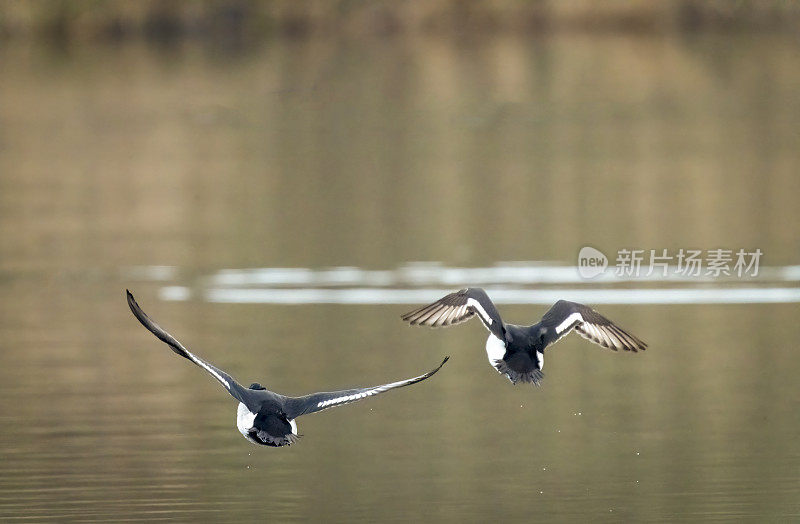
<point>278,208</point>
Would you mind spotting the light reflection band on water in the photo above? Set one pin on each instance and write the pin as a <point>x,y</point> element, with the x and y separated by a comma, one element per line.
<point>432,274</point>
<point>750,295</point>
<point>507,283</point>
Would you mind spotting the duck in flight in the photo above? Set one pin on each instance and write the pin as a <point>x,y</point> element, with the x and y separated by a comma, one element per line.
<point>264,417</point>
<point>518,351</point>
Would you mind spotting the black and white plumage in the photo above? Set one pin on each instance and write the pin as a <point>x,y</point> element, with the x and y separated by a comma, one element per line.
<point>264,417</point>
<point>518,351</point>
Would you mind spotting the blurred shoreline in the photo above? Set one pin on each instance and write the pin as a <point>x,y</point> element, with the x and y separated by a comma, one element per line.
<point>115,20</point>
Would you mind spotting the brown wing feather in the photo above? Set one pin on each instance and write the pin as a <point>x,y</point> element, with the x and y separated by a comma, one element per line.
<point>447,311</point>
<point>591,325</point>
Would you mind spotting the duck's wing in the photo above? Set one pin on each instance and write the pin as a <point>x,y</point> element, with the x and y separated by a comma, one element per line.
<point>565,316</point>
<point>296,406</point>
<point>234,388</point>
<point>459,307</point>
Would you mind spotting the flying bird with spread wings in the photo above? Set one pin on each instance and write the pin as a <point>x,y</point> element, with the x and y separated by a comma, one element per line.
<point>264,417</point>
<point>518,351</point>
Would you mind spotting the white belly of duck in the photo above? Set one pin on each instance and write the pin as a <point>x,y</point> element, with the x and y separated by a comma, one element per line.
<point>495,349</point>
<point>244,419</point>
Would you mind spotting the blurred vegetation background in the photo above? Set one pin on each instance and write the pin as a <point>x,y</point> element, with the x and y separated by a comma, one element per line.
<point>152,144</point>
<point>120,19</point>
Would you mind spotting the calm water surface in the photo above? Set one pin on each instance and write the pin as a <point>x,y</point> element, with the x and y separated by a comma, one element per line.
<point>375,156</point>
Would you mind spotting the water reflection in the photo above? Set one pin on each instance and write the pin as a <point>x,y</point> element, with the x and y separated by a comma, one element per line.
<point>329,153</point>
<point>407,285</point>
<point>422,274</point>
<point>499,296</point>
